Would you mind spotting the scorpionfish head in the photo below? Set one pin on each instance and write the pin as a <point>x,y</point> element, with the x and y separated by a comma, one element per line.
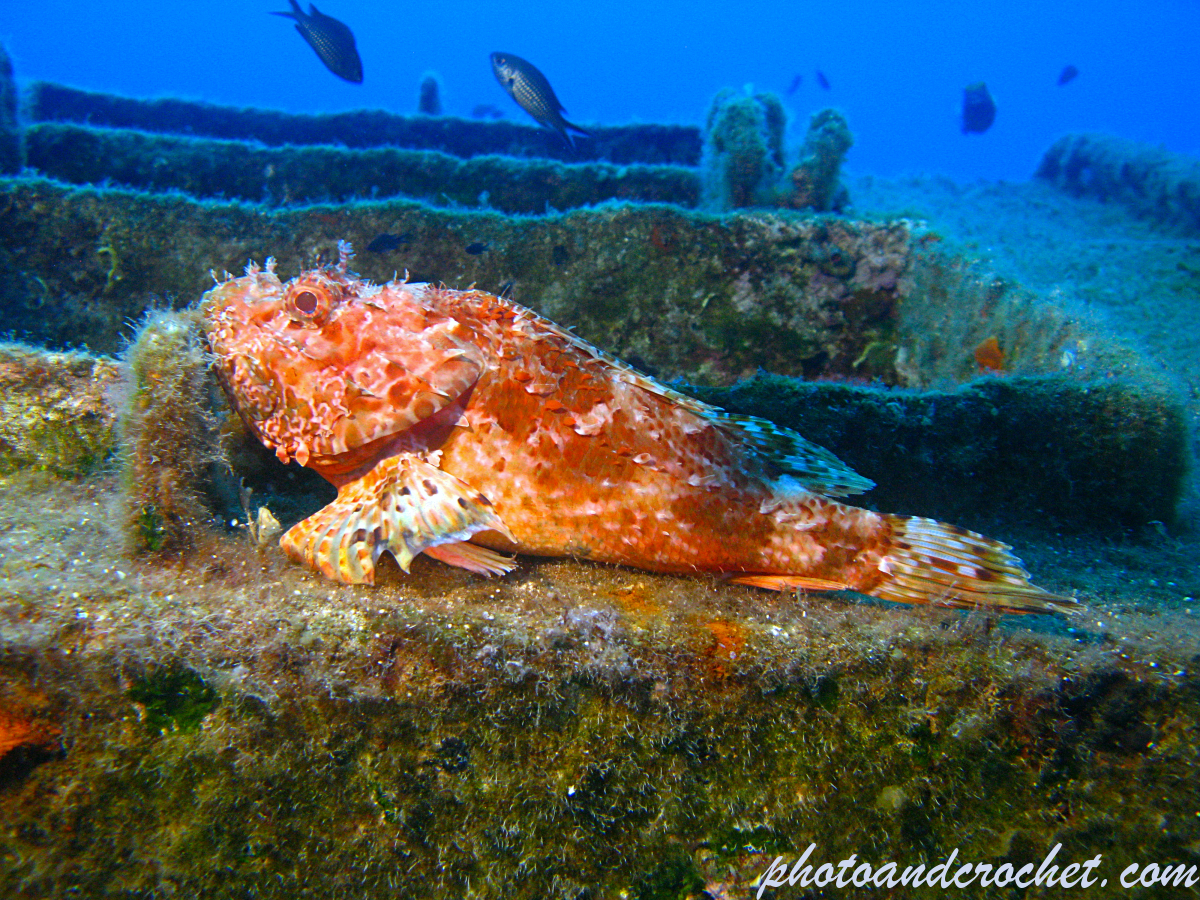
<point>328,366</point>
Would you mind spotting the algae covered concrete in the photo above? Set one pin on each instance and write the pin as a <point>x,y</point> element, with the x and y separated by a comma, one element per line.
<point>230,725</point>
<point>54,413</point>
<point>278,176</point>
<point>708,298</point>
<point>646,143</point>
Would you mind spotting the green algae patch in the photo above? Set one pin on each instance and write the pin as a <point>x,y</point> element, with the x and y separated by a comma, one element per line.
<point>174,699</point>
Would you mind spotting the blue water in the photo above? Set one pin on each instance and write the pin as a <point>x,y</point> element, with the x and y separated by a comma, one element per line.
<point>896,69</point>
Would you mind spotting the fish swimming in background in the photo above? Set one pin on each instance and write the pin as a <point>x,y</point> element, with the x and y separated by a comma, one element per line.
<point>1067,75</point>
<point>332,40</point>
<point>529,87</point>
<point>795,85</point>
<point>822,80</point>
<point>978,109</point>
<point>386,243</point>
<point>486,111</point>
<point>458,424</point>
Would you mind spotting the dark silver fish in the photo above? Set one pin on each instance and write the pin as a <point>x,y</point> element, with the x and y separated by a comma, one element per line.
<point>978,109</point>
<point>533,93</point>
<point>332,40</point>
<point>386,243</point>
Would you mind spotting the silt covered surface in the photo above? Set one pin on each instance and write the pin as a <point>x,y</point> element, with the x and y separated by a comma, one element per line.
<point>230,724</point>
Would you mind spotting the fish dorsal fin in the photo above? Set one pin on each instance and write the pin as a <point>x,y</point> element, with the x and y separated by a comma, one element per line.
<point>810,465</point>
<point>793,463</point>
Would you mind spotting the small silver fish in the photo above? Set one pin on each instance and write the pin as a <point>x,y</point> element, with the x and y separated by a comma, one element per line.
<point>533,93</point>
<point>331,39</point>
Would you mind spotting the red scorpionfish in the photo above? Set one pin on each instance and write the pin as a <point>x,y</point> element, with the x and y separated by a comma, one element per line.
<point>463,426</point>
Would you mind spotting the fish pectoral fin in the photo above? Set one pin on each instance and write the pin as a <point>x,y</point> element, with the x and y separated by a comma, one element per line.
<point>403,506</point>
<point>789,583</point>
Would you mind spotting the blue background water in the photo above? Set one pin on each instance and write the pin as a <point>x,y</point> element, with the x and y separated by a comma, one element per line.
<point>896,69</point>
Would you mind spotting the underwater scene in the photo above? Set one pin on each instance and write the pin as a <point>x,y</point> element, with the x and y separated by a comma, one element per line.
<point>586,451</point>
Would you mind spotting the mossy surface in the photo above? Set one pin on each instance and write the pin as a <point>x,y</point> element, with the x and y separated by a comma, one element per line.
<point>173,700</point>
<point>53,411</point>
<point>743,150</point>
<point>281,176</point>
<point>168,434</point>
<point>567,731</point>
<point>1084,454</point>
<point>648,143</point>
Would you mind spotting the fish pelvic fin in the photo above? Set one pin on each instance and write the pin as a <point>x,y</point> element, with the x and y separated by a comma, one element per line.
<point>789,583</point>
<point>403,506</point>
<point>931,562</point>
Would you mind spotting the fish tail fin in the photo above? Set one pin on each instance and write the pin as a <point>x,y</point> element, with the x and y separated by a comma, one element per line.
<point>574,127</point>
<point>297,13</point>
<point>932,562</point>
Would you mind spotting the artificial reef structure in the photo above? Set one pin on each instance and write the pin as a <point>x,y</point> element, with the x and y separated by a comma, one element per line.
<point>184,711</point>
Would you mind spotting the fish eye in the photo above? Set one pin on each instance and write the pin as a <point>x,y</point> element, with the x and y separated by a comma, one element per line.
<point>307,301</point>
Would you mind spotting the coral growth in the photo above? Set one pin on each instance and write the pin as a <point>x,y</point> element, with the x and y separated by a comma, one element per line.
<point>814,181</point>
<point>168,435</point>
<point>743,149</point>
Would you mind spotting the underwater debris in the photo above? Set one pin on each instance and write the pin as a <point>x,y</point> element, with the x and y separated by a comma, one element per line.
<point>167,434</point>
<point>815,183</point>
<point>1150,181</point>
<point>647,144</point>
<point>10,128</point>
<point>429,95</point>
<point>743,149</point>
<point>278,176</point>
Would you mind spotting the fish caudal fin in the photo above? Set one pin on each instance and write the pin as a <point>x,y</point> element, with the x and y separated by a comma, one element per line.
<point>932,562</point>
<point>403,506</point>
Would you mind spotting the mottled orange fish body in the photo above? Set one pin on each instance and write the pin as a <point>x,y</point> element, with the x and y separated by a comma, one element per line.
<point>459,424</point>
